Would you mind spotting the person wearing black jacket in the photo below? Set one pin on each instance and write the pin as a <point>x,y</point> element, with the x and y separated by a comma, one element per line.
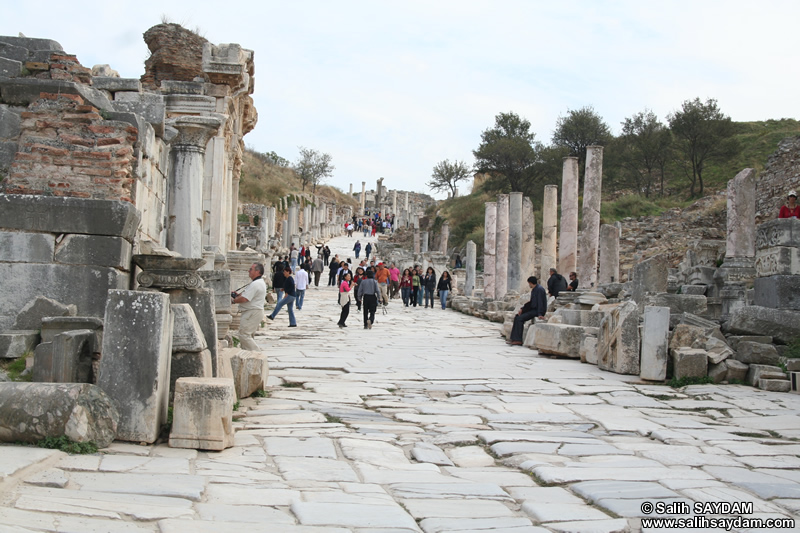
<point>556,283</point>
<point>368,292</point>
<point>535,307</point>
<point>444,287</point>
<point>429,283</point>
<point>288,299</point>
<point>334,268</point>
<point>277,279</point>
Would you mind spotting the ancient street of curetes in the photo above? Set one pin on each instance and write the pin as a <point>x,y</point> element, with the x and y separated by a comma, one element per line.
<point>658,397</point>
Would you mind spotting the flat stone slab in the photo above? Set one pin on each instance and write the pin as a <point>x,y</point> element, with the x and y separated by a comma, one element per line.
<point>15,458</point>
<point>190,487</point>
<point>353,515</point>
<point>594,491</point>
<point>438,508</point>
<point>297,447</point>
<point>428,453</point>
<point>449,490</point>
<point>560,512</point>
<point>502,525</point>
<point>558,474</point>
<point>300,468</point>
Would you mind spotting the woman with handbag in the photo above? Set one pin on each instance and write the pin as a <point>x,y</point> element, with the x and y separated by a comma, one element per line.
<point>344,299</point>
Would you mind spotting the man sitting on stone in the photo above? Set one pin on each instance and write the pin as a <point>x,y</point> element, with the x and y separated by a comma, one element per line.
<point>556,283</point>
<point>533,308</point>
<point>251,303</point>
<point>573,281</point>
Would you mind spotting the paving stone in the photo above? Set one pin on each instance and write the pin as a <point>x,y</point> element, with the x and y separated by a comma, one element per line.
<point>216,526</point>
<point>241,495</point>
<point>174,485</point>
<point>63,523</point>
<point>52,477</point>
<point>439,508</point>
<point>594,526</point>
<point>630,508</point>
<point>425,452</point>
<point>372,452</point>
<point>591,450</point>
<point>503,449</point>
<point>257,514</point>
<point>465,525</point>
<point>560,512</point>
<point>503,478</point>
<point>353,515</point>
<point>555,474</point>
<point>764,485</point>
<point>15,458</point>
<point>449,490</point>
<point>470,457</point>
<point>295,447</point>
<point>594,491</point>
<point>674,456</point>
<point>294,468</point>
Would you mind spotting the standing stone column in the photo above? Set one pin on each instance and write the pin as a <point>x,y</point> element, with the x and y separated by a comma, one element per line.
<point>609,255</point>
<point>425,236</point>
<point>489,249</point>
<point>445,236</point>
<point>363,197</point>
<point>394,202</point>
<point>406,207</point>
<point>351,190</point>
<point>501,248</point>
<point>416,242</point>
<point>741,239</point>
<point>263,229</point>
<point>469,284</point>
<point>187,154</point>
<point>528,245</point>
<point>272,221</point>
<point>590,232</point>
<point>549,231</point>
<point>568,241</point>
<point>286,234</point>
<point>514,241</point>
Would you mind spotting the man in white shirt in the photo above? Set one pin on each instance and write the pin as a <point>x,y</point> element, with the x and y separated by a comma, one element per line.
<point>251,303</point>
<point>293,254</point>
<point>301,284</point>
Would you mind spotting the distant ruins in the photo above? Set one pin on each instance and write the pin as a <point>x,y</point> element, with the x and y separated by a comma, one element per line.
<point>118,239</point>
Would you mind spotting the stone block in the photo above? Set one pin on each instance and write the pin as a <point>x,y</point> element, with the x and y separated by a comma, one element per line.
<point>31,43</point>
<point>678,304</point>
<point>9,68</point>
<point>694,290</point>
<point>575,317</point>
<point>134,370</point>
<point>189,365</point>
<point>777,292</point>
<point>618,340</point>
<point>182,87</point>
<point>775,385</point>
<point>82,286</point>
<point>756,353</point>
<point>52,214</point>
<point>702,276</point>
<point>202,416</point>
<point>23,91</point>
<point>793,365</point>
<point>734,340</point>
<point>67,359</point>
<point>778,232</point>
<point>780,260</point>
<point>689,362</point>
<point>782,325</point>
<point>23,247</point>
<point>754,373</point>
<point>116,84</point>
<point>794,379</point>
<point>588,351</point>
<point>224,367</point>
<point>12,51</point>
<point>250,372</point>
<point>30,317</point>
<point>718,372</point>
<point>737,371</point>
<point>186,333</point>
<point>81,411</point>
<point>9,122</point>
<point>52,326</point>
<point>14,344</point>
<point>529,336</point>
<point>220,282</point>
<point>96,250</point>
<point>202,303</point>
<point>8,151</point>
<point>655,343</point>
<point>649,277</point>
<point>559,339</point>
<point>151,107</point>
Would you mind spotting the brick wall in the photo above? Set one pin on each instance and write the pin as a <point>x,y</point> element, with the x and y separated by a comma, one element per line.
<point>66,148</point>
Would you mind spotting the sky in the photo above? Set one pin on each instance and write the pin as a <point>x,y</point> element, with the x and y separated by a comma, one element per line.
<point>389,89</point>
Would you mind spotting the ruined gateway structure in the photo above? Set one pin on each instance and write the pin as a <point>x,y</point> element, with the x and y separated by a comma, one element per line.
<point>118,240</point>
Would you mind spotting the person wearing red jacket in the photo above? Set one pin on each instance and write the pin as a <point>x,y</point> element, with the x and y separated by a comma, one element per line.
<point>791,210</point>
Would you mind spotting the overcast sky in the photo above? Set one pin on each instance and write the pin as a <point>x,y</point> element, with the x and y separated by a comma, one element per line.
<point>390,89</point>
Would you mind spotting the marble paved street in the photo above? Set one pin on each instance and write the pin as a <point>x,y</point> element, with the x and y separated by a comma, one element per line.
<point>430,422</point>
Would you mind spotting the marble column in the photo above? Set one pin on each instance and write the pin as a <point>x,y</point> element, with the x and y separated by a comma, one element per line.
<point>489,249</point>
<point>185,208</point>
<point>501,248</point>
<point>406,203</point>
<point>286,234</point>
<point>568,240</point>
<point>416,242</point>
<point>549,231</point>
<point>351,190</point>
<point>590,231</point>
<point>394,202</point>
<point>425,236</point>
<point>528,245</point>
<point>469,284</point>
<point>263,229</point>
<point>741,239</point>
<point>445,236</point>
<point>363,196</point>
<point>514,271</point>
<point>609,255</point>
<point>271,218</point>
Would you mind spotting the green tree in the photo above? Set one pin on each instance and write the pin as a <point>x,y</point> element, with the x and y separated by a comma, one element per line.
<point>446,175</point>
<point>579,129</point>
<point>312,166</point>
<point>702,134</point>
<point>645,144</point>
<point>509,153</point>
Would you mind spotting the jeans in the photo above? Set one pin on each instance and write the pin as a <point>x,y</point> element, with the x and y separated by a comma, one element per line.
<point>288,301</point>
<point>443,298</point>
<point>294,264</point>
<point>406,293</point>
<point>279,294</point>
<point>416,296</point>
<point>332,278</point>
<point>428,297</point>
<point>301,294</point>
<point>357,252</point>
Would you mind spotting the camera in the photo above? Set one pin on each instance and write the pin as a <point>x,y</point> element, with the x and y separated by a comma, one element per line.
<point>234,295</point>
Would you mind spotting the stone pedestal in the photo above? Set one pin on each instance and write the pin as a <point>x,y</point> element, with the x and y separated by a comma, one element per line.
<point>609,255</point>
<point>549,232</point>
<point>568,241</point>
<point>469,284</point>
<point>655,343</point>
<point>187,155</point>
<point>489,249</point>
<point>590,232</point>
<point>203,414</point>
<point>618,340</point>
<point>501,248</point>
<point>134,370</point>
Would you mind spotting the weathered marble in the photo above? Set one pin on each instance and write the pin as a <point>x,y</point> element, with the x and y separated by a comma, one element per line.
<point>489,250</point>
<point>501,248</point>
<point>590,230</point>
<point>568,239</point>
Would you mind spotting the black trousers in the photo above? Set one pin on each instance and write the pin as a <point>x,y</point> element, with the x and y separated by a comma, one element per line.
<point>519,325</point>
<point>345,312</point>
<point>370,304</point>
